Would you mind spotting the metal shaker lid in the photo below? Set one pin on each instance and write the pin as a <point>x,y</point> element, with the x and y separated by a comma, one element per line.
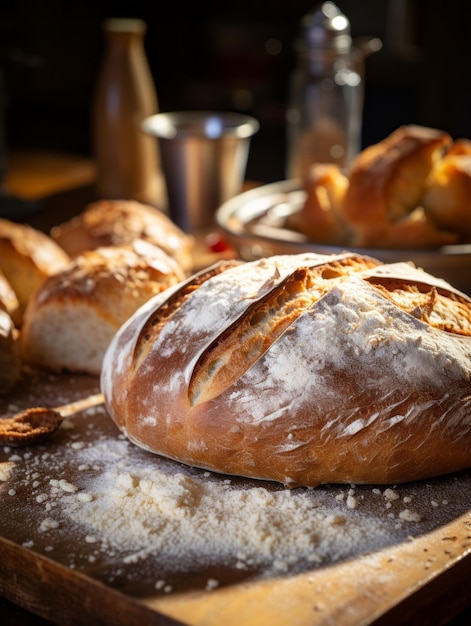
<point>325,27</point>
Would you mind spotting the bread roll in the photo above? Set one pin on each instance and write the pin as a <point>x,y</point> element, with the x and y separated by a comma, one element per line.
<point>118,223</point>
<point>381,201</point>
<point>27,257</point>
<point>302,369</point>
<point>387,181</point>
<point>71,319</point>
<point>321,217</point>
<point>447,198</point>
<point>461,147</point>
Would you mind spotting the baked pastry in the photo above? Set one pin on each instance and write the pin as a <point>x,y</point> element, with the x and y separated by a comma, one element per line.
<point>386,184</point>
<point>406,191</point>
<point>118,223</point>
<point>71,319</point>
<point>386,180</point>
<point>302,369</point>
<point>460,147</point>
<point>321,216</point>
<point>27,257</point>
<point>447,198</point>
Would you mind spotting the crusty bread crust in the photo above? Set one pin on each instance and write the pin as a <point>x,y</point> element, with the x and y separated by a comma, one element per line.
<point>387,180</point>
<point>302,369</point>
<point>386,185</point>
<point>447,199</point>
<point>120,222</point>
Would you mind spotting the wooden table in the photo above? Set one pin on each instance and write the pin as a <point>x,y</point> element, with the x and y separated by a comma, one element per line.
<point>34,174</point>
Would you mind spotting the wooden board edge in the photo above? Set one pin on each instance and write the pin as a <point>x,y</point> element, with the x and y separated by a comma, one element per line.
<point>60,595</point>
<point>386,588</point>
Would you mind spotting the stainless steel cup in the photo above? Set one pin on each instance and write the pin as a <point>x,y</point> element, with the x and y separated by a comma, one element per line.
<point>204,159</point>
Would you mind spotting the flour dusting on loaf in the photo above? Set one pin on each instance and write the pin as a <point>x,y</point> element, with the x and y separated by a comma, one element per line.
<point>303,369</point>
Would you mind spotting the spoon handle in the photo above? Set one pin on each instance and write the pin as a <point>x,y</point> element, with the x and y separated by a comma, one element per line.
<point>80,405</point>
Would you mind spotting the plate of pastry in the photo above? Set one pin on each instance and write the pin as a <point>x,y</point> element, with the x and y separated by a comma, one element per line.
<point>406,198</point>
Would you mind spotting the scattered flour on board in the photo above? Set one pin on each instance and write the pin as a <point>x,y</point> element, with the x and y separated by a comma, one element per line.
<point>137,507</point>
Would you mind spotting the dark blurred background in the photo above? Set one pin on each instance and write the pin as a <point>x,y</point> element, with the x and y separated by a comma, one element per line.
<point>229,55</point>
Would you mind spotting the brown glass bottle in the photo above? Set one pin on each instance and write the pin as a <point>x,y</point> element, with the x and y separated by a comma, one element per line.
<point>128,162</point>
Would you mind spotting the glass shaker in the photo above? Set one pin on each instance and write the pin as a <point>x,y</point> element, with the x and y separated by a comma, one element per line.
<point>324,116</point>
<point>128,161</point>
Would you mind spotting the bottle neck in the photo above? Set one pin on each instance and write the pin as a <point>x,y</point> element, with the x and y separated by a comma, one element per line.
<point>122,40</point>
<point>124,33</point>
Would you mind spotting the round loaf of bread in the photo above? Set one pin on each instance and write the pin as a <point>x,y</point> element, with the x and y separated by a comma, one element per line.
<point>302,369</point>
<point>69,322</point>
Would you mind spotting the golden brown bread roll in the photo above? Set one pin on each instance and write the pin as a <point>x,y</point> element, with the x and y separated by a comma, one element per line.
<point>408,191</point>
<point>447,198</point>
<point>27,257</point>
<point>71,319</point>
<point>321,216</point>
<point>118,223</point>
<point>302,369</point>
<point>460,146</point>
<point>387,181</point>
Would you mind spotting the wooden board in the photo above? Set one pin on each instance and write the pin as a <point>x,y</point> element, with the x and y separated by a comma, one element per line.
<point>51,565</point>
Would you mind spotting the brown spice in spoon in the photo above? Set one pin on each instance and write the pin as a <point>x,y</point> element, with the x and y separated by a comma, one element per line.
<point>30,426</point>
<point>36,424</point>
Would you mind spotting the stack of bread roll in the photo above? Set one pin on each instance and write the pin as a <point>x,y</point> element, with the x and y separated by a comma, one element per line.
<point>410,190</point>
<point>63,295</point>
<point>27,257</point>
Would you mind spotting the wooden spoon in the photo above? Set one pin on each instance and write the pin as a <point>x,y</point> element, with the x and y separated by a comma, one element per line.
<point>38,423</point>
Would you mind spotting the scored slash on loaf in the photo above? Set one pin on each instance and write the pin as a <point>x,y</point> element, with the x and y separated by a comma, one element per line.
<point>302,369</point>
